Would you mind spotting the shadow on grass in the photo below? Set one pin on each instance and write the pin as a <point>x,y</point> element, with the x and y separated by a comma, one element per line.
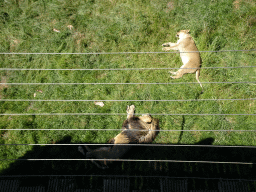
<point>150,168</point>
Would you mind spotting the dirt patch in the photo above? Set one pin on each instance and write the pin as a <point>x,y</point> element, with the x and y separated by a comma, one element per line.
<point>169,6</point>
<point>236,4</point>
<point>252,21</point>
<point>13,44</point>
<point>78,37</point>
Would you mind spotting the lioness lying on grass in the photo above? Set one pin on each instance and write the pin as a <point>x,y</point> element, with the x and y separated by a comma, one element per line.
<point>191,61</point>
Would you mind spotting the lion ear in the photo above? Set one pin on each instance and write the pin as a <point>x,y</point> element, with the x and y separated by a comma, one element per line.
<point>187,31</point>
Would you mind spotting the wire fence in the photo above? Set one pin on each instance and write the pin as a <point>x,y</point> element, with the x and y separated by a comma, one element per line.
<point>161,130</point>
<point>179,83</point>
<point>105,114</point>
<point>123,100</point>
<point>116,69</point>
<point>132,176</point>
<point>118,53</point>
<point>151,145</point>
<point>136,160</point>
<point>109,114</point>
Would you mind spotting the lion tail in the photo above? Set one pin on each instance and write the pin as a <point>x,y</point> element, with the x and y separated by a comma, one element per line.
<point>197,78</point>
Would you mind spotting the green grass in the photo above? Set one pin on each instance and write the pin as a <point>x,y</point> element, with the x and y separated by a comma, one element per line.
<point>124,26</point>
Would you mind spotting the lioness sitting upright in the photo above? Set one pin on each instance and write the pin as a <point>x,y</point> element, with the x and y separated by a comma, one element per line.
<point>191,61</point>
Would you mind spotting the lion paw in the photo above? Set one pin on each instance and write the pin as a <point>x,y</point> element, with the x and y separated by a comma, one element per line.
<point>130,109</point>
<point>174,73</point>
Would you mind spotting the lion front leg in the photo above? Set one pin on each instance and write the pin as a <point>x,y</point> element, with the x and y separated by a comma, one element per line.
<point>166,48</point>
<point>169,46</point>
<point>166,44</point>
<point>130,111</point>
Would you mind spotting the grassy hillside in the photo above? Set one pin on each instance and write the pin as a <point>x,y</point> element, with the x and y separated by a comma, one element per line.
<point>52,26</point>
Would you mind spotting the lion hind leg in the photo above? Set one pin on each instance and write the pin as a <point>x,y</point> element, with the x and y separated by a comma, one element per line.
<point>184,69</point>
<point>178,74</point>
<point>174,73</point>
<point>146,118</point>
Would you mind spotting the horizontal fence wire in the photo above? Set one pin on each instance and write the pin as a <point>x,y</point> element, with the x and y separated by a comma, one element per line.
<point>218,130</point>
<point>131,176</point>
<point>118,53</point>
<point>156,114</point>
<point>134,160</point>
<point>108,114</point>
<point>151,145</point>
<point>116,69</point>
<point>254,82</point>
<point>112,100</point>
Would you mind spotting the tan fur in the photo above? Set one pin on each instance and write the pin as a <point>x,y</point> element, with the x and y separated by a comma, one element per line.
<point>141,129</point>
<point>190,60</point>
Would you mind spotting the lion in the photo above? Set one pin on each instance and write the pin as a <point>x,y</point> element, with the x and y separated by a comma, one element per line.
<point>189,55</point>
<point>142,129</point>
